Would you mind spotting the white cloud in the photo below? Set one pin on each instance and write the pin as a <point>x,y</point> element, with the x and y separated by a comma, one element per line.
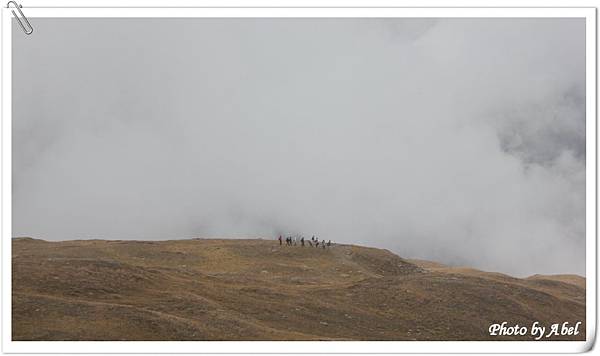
<point>454,140</point>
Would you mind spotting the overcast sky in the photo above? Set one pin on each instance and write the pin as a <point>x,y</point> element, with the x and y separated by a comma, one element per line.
<point>455,140</point>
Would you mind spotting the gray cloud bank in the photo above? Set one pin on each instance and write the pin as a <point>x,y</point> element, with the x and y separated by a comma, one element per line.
<point>456,140</point>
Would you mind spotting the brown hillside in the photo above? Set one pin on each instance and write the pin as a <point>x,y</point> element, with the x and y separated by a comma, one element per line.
<point>258,290</point>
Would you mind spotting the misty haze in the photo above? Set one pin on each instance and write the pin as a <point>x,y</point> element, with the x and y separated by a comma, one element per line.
<point>460,141</point>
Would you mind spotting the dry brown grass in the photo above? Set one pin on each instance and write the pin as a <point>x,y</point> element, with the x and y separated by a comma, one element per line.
<point>258,290</point>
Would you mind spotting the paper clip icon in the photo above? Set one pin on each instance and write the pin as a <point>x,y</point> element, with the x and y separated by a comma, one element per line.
<point>29,29</point>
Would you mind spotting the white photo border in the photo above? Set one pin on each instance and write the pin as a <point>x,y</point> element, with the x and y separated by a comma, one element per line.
<point>9,346</point>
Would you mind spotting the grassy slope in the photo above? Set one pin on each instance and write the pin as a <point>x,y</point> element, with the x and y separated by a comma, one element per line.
<point>257,290</point>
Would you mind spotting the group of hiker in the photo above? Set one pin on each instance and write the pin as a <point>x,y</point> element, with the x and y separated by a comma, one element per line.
<point>313,242</point>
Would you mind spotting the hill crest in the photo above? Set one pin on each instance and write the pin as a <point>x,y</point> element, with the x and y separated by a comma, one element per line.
<point>251,289</point>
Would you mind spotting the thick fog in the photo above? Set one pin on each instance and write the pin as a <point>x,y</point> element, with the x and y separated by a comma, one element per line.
<point>455,140</point>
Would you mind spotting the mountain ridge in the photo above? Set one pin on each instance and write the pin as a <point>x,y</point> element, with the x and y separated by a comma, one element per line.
<point>254,289</point>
